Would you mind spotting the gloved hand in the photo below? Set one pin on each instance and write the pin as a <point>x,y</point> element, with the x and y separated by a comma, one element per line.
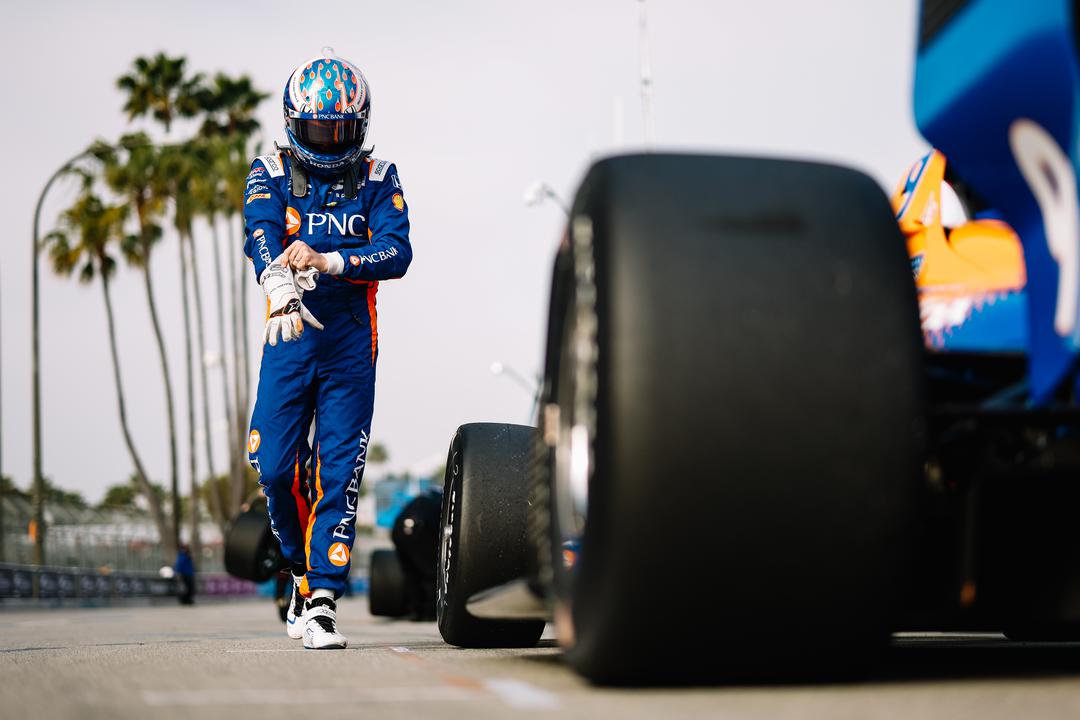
<point>287,313</point>
<point>305,280</point>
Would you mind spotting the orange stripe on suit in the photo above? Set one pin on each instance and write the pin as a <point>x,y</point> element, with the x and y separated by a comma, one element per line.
<point>303,512</point>
<point>373,289</point>
<point>314,507</point>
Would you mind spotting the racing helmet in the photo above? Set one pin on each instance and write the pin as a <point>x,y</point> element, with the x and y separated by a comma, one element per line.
<point>327,109</point>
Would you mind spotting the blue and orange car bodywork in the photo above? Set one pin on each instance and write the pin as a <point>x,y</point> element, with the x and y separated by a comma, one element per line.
<point>984,69</point>
<point>997,93</point>
<point>970,279</point>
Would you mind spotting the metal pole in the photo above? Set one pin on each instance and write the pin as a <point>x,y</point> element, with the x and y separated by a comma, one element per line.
<point>520,379</point>
<point>534,387</point>
<point>535,194</point>
<point>1,435</point>
<point>554,197</point>
<point>39,480</point>
<point>646,77</point>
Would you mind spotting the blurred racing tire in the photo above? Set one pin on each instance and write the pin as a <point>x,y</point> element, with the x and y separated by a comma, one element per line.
<point>483,541</point>
<point>283,585</point>
<point>387,592</point>
<point>251,550</point>
<point>733,421</point>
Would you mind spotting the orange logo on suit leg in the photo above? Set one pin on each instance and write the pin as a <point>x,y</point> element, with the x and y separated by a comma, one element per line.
<point>338,554</point>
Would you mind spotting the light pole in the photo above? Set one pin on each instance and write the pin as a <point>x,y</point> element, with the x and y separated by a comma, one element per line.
<point>1,436</point>
<point>530,386</point>
<point>540,191</point>
<point>645,68</point>
<point>35,343</point>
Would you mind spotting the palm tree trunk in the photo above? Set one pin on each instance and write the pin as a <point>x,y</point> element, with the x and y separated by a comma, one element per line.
<point>233,449</point>
<point>200,339</point>
<point>193,479</point>
<point>239,376</point>
<point>173,464</point>
<point>244,279</point>
<point>152,500</point>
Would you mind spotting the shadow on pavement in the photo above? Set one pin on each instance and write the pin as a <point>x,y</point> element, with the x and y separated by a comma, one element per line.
<point>974,657</point>
<point>919,659</point>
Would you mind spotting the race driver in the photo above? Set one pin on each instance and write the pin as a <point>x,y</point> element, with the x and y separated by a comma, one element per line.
<point>324,224</point>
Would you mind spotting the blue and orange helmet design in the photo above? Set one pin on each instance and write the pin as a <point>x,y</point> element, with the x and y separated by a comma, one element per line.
<point>327,106</point>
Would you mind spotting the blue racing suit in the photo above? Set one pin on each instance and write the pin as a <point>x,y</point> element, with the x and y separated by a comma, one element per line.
<point>328,375</point>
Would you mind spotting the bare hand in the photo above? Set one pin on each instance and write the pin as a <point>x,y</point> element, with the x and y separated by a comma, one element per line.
<point>300,256</point>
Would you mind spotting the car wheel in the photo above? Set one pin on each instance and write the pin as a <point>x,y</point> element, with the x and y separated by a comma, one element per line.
<point>283,586</point>
<point>387,593</point>
<point>733,421</point>
<point>483,542</point>
<point>251,550</point>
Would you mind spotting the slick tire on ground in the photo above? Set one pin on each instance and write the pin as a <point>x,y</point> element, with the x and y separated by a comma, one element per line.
<point>484,544</point>
<point>735,355</point>
<point>387,593</point>
<point>251,550</point>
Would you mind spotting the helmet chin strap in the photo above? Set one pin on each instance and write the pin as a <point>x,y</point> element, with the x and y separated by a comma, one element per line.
<point>350,176</point>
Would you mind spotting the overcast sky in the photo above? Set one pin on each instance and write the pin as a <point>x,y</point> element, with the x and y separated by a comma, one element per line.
<point>473,100</point>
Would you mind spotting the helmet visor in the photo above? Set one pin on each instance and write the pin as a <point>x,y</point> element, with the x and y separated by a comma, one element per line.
<point>328,137</point>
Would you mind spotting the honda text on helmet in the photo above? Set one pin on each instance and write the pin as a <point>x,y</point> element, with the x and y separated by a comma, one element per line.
<point>327,110</point>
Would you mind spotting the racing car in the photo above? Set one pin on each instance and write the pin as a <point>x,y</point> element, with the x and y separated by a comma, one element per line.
<point>752,442</point>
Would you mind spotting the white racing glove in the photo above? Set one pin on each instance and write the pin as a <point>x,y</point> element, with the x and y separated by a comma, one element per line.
<point>305,280</point>
<point>287,314</point>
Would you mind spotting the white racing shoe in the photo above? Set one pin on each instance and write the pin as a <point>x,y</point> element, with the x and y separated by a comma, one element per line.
<point>320,625</point>
<point>294,618</point>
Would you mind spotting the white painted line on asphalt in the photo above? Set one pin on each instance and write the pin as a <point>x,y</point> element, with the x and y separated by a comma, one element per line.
<point>324,696</point>
<point>399,649</point>
<point>521,695</point>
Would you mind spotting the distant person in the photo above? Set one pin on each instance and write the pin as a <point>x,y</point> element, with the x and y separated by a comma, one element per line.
<point>320,210</point>
<point>185,575</point>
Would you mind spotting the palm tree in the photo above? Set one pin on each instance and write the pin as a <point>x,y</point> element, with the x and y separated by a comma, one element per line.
<point>377,454</point>
<point>135,174</point>
<point>210,204</point>
<point>82,243</point>
<point>203,190</point>
<point>178,171</point>
<point>157,86</point>
<point>235,166</point>
<point>229,105</point>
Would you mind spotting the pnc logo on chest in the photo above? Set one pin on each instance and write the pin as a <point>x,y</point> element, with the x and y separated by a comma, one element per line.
<point>354,225</point>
